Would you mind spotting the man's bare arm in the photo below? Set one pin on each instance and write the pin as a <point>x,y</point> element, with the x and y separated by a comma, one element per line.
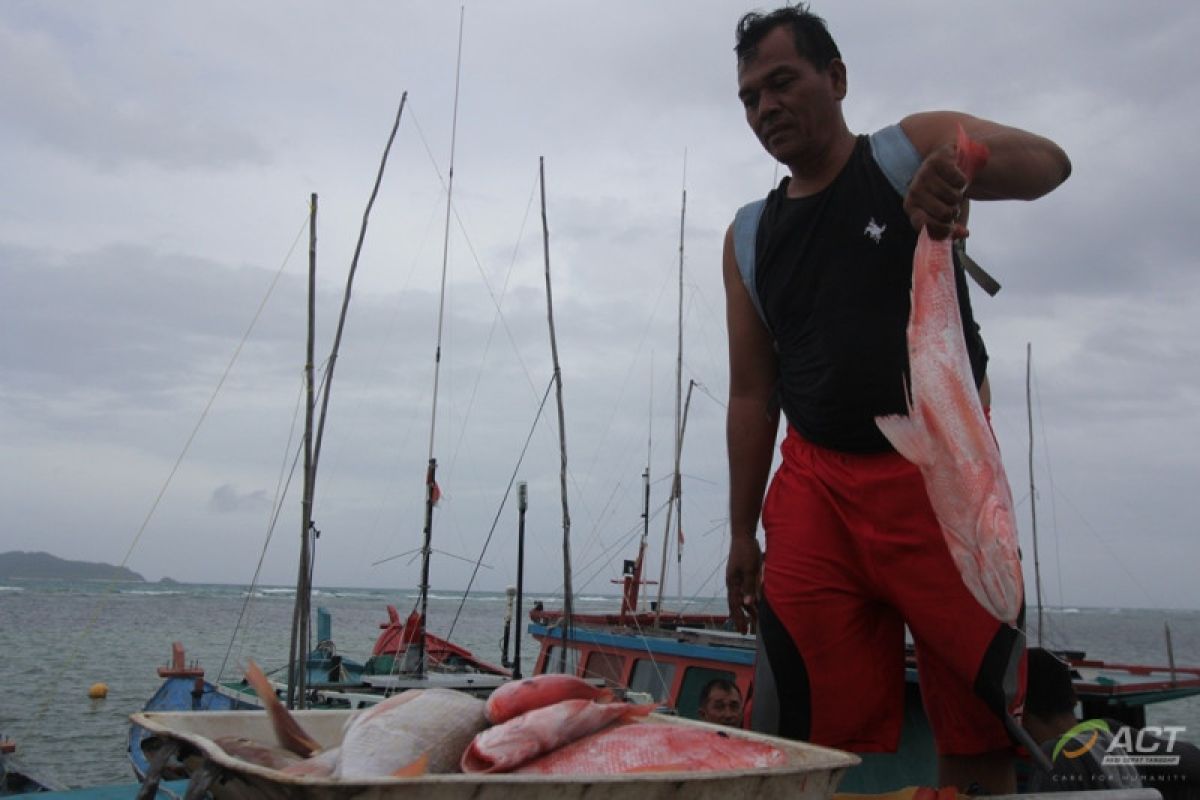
<point>1021,166</point>
<point>751,425</point>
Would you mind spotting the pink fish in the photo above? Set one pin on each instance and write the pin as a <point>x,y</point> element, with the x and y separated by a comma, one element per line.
<point>515,698</point>
<point>656,747</point>
<point>510,744</point>
<point>406,735</point>
<point>946,434</point>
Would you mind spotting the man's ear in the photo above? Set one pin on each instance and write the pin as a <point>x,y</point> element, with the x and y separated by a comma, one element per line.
<point>837,74</point>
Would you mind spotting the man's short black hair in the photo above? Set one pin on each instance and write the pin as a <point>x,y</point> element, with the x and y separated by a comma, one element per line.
<point>808,30</point>
<point>718,683</point>
<point>1048,688</point>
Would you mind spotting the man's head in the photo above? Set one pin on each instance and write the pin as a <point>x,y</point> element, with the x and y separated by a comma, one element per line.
<point>1049,695</point>
<point>1048,688</point>
<point>721,702</point>
<point>791,81</point>
<point>809,34</point>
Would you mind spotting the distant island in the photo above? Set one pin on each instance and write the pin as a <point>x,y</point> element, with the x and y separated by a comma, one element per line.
<point>35,566</point>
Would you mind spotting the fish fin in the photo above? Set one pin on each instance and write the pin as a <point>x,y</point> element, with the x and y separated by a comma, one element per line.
<point>907,436</point>
<point>642,710</point>
<point>971,155</point>
<point>414,770</point>
<point>289,732</point>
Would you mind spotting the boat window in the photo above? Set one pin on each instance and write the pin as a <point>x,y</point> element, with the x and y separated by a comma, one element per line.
<point>609,666</point>
<point>653,678</point>
<point>694,681</point>
<point>572,660</point>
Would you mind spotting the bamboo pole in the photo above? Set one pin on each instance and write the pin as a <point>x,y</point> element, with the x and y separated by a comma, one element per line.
<point>522,506</point>
<point>687,403</point>
<point>673,500</point>
<point>568,591</point>
<point>1037,568</point>
<point>362,235</point>
<point>298,653</point>
<point>1170,652</point>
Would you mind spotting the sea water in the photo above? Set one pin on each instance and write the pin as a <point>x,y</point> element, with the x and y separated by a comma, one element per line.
<point>57,639</point>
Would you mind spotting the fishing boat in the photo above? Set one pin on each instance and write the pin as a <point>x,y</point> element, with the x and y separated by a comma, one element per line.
<point>17,778</point>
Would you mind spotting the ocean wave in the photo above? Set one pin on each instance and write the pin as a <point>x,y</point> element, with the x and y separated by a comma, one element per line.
<point>12,588</point>
<point>152,592</point>
<point>264,594</point>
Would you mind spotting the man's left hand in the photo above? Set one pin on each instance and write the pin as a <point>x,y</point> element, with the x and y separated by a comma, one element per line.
<point>935,196</point>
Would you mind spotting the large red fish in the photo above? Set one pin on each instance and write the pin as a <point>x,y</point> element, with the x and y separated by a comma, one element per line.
<point>946,433</point>
<point>656,747</point>
<point>406,735</point>
<point>543,730</point>
<point>516,697</point>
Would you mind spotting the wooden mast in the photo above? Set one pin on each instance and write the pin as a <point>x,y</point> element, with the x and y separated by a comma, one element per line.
<point>673,500</point>
<point>298,653</point>
<point>568,592</point>
<point>1037,568</point>
<point>312,451</point>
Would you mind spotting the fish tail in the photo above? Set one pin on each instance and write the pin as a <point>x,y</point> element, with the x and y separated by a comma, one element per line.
<point>291,736</point>
<point>972,155</point>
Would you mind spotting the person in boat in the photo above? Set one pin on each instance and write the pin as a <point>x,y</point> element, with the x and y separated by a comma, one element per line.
<point>817,280</point>
<point>1097,754</point>
<point>721,703</point>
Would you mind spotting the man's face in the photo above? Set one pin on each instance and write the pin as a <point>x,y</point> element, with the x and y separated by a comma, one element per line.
<point>722,707</point>
<point>793,108</point>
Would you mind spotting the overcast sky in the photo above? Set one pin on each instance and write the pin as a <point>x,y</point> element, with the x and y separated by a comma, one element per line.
<point>158,159</point>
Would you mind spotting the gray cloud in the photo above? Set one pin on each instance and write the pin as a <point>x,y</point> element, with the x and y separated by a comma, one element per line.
<point>226,499</point>
<point>158,160</point>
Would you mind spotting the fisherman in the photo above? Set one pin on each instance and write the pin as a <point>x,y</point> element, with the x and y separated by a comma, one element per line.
<point>817,280</point>
<point>721,703</point>
<point>1102,754</point>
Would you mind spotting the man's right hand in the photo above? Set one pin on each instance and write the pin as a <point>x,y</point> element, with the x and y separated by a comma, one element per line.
<point>742,579</point>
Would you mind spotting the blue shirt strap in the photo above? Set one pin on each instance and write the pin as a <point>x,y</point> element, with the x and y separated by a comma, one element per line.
<point>896,155</point>
<point>745,234</point>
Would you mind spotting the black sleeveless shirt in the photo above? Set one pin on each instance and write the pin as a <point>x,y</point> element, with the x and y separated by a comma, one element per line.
<point>833,276</point>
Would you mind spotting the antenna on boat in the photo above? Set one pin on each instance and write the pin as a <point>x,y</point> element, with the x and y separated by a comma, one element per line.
<point>568,601</point>
<point>1037,568</point>
<point>674,500</point>
<point>432,493</point>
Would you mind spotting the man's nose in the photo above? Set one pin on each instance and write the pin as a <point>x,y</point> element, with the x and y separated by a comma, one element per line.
<point>768,102</point>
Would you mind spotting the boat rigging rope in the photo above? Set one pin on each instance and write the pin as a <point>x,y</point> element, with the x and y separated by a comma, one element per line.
<point>237,351</point>
<point>507,490</point>
<point>281,490</point>
<point>100,607</point>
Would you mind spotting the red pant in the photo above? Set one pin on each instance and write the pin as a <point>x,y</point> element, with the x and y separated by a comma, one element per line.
<point>854,552</point>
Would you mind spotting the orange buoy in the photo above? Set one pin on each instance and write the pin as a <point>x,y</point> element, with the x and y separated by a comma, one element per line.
<point>99,691</point>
